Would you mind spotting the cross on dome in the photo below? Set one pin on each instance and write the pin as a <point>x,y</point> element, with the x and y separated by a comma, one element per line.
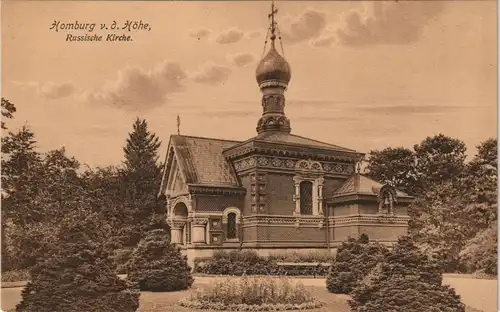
<point>271,15</point>
<point>273,69</point>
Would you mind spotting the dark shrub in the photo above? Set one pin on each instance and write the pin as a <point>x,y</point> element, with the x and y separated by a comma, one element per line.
<point>120,258</point>
<point>77,275</point>
<point>355,259</point>
<point>238,263</point>
<point>157,265</point>
<point>405,280</point>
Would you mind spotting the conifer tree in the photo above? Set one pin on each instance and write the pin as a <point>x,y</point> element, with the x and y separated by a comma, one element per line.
<point>141,159</point>
<point>158,265</point>
<point>8,110</point>
<point>141,177</point>
<point>405,280</point>
<point>355,258</point>
<point>77,274</point>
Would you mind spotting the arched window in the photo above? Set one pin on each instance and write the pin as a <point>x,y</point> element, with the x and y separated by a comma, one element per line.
<point>306,198</point>
<point>231,225</point>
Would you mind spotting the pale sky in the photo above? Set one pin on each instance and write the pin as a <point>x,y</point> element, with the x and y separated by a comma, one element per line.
<point>365,75</point>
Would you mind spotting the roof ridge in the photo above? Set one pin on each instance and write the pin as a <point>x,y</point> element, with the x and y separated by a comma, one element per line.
<point>204,138</point>
<point>338,146</point>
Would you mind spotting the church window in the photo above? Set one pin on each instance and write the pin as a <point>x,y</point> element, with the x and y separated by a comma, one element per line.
<point>188,232</point>
<point>306,198</point>
<point>231,225</point>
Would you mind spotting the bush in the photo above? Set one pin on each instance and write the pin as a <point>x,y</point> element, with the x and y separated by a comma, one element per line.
<point>16,276</point>
<point>157,265</point>
<point>238,263</point>
<point>253,294</point>
<point>355,259</point>
<point>480,255</point>
<point>120,258</point>
<point>405,280</point>
<point>314,256</point>
<point>77,275</point>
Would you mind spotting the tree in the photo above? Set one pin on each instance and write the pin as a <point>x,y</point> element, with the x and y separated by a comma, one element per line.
<point>20,161</point>
<point>141,158</point>
<point>487,153</point>
<point>438,224</point>
<point>439,159</point>
<point>20,180</point>
<point>355,258</point>
<point>479,186</point>
<point>481,252</point>
<point>157,265</point>
<point>8,110</point>
<point>481,176</point>
<point>395,166</point>
<point>77,274</point>
<point>141,177</point>
<point>405,280</point>
<point>39,191</point>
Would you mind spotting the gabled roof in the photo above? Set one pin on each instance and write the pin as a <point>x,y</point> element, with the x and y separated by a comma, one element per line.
<point>362,185</point>
<point>201,160</point>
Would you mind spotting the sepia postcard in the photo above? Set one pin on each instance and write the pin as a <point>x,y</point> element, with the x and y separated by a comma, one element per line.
<point>249,156</point>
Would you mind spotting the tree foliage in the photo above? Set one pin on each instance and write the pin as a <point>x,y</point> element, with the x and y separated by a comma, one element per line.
<point>8,110</point>
<point>405,280</point>
<point>141,176</point>
<point>481,252</point>
<point>38,191</point>
<point>439,159</point>
<point>395,166</point>
<point>355,258</point>
<point>455,201</point>
<point>77,274</point>
<point>157,265</point>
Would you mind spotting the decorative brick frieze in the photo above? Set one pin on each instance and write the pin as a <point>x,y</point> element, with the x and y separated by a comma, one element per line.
<point>199,221</point>
<point>216,190</point>
<point>273,149</point>
<point>290,164</point>
<point>270,220</point>
<point>368,220</point>
<point>320,222</point>
<point>176,224</point>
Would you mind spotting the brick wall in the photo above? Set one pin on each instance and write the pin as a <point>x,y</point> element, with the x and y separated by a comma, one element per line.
<point>330,185</point>
<point>207,203</point>
<point>290,233</point>
<point>384,233</point>
<point>246,208</point>
<point>280,189</point>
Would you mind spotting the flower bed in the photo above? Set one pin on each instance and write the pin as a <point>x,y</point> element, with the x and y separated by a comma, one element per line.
<point>253,294</point>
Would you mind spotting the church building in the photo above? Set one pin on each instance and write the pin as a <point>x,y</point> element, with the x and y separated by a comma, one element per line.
<point>275,192</point>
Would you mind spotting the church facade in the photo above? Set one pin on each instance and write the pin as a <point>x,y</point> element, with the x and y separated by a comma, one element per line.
<point>275,192</point>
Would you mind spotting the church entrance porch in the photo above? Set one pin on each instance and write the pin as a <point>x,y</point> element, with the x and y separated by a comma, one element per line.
<point>178,222</point>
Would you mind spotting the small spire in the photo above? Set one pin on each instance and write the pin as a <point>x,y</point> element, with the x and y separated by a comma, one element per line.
<point>178,124</point>
<point>271,15</point>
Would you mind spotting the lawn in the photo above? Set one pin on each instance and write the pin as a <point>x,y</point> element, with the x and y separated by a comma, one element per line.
<point>168,302</point>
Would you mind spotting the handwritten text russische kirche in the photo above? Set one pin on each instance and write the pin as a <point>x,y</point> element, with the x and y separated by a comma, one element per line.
<point>74,30</point>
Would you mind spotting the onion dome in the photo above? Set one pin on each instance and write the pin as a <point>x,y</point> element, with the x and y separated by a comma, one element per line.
<point>273,70</point>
